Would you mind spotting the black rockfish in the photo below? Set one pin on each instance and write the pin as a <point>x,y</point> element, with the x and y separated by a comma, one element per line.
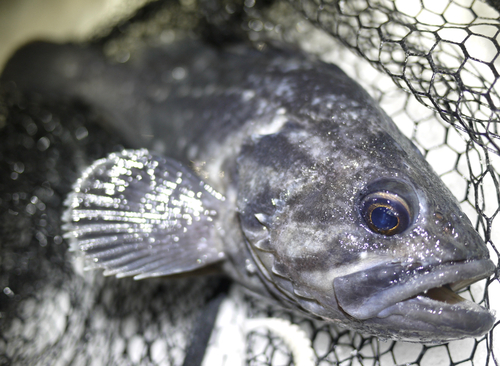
<point>275,168</point>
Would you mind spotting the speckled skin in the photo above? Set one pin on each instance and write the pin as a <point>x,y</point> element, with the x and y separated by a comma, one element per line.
<point>293,144</point>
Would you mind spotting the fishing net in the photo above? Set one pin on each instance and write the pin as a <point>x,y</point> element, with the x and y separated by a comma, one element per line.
<point>432,65</point>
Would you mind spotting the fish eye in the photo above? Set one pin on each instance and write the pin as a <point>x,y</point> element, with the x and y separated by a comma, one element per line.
<point>386,213</point>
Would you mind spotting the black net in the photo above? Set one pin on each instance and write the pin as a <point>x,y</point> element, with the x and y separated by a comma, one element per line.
<point>435,72</point>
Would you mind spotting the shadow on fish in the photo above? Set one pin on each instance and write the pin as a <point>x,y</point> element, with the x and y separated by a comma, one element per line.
<point>274,168</point>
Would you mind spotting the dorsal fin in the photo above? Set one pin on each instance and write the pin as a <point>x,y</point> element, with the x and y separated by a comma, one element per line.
<point>138,214</point>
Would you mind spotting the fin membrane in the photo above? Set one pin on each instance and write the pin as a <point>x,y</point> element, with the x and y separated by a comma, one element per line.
<point>138,214</point>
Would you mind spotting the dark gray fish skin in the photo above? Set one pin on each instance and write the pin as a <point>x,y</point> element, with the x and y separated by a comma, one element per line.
<point>294,145</point>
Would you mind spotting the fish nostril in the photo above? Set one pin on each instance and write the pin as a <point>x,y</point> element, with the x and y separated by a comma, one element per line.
<point>446,225</point>
<point>448,228</point>
<point>439,216</point>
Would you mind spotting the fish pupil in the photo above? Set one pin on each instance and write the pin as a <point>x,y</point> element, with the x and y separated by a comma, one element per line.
<point>384,218</point>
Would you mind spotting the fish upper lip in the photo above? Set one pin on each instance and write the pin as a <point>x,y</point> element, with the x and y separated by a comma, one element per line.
<point>366,294</point>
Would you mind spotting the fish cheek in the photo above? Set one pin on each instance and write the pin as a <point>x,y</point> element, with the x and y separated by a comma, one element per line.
<point>331,256</point>
<point>311,261</point>
<point>309,243</point>
<point>322,219</point>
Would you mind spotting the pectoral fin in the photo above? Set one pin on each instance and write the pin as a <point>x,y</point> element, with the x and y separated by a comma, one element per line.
<point>138,214</point>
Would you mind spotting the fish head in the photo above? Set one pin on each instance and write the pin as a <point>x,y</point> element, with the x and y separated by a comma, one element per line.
<point>348,222</point>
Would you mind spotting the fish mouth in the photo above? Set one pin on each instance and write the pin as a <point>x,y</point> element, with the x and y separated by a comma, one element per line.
<point>415,295</point>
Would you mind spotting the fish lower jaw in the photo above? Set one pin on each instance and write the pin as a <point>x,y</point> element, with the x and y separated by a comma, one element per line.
<point>437,316</point>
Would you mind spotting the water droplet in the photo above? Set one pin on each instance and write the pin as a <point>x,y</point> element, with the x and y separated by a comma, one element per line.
<point>31,209</point>
<point>179,73</point>
<point>256,25</point>
<point>45,116</point>
<point>250,267</point>
<point>19,167</point>
<point>30,126</point>
<point>42,239</point>
<point>123,57</point>
<point>43,144</point>
<point>7,291</point>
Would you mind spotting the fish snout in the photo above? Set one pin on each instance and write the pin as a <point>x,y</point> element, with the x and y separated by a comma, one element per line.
<point>456,238</point>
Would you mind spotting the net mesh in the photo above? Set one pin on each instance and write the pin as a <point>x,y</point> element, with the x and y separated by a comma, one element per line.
<point>435,72</point>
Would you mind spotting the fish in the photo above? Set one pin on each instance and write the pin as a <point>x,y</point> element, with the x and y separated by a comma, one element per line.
<point>274,168</point>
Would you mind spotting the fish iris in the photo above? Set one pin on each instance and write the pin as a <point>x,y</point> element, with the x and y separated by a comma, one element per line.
<point>386,213</point>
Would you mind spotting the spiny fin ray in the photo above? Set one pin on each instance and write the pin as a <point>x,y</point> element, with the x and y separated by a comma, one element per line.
<point>139,214</point>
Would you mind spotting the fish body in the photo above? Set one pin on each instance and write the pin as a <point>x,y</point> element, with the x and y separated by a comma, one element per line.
<point>274,167</point>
